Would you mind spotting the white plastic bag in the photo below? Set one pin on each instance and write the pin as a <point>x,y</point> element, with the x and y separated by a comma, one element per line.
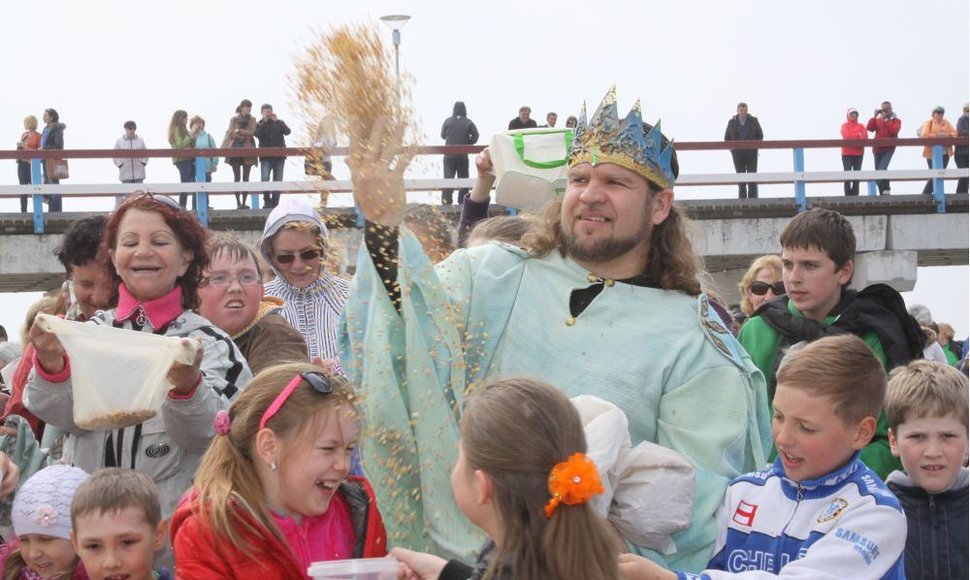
<point>529,166</point>
<point>119,376</point>
<point>649,489</point>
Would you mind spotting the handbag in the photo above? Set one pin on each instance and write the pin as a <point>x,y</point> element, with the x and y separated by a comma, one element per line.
<point>57,169</point>
<point>530,165</point>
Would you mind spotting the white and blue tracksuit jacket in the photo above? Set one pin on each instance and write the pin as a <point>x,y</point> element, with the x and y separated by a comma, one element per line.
<point>843,525</point>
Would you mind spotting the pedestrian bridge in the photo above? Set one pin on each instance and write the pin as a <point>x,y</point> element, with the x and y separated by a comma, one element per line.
<point>895,234</point>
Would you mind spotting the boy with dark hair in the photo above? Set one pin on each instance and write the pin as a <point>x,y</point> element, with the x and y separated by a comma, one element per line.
<point>117,524</point>
<point>90,282</point>
<point>818,249</point>
<point>927,411</point>
<point>818,512</point>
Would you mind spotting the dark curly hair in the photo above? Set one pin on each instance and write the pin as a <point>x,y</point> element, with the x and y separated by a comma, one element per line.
<point>81,242</point>
<point>187,229</point>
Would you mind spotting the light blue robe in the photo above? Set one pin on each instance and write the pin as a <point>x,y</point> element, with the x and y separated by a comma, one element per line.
<point>495,311</point>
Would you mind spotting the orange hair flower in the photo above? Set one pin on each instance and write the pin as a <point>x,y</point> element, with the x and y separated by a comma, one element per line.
<point>572,482</point>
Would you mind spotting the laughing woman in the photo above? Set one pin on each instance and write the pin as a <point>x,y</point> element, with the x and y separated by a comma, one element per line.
<point>155,249</point>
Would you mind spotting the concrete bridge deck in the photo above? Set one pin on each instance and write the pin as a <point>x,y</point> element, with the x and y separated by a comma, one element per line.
<point>895,234</point>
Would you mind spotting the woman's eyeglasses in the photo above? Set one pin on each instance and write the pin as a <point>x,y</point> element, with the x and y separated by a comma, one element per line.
<point>220,280</point>
<point>318,381</point>
<point>759,288</point>
<point>305,255</point>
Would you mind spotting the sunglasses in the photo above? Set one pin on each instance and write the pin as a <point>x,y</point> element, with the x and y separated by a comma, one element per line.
<point>159,197</point>
<point>305,255</point>
<point>318,381</point>
<point>761,288</point>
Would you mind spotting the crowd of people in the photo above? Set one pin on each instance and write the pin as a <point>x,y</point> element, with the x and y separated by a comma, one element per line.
<point>446,407</point>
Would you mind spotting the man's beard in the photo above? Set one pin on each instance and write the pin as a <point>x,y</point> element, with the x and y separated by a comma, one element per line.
<point>602,250</point>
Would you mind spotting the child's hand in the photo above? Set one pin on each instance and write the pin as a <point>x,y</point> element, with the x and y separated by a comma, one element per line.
<point>417,565</point>
<point>11,475</point>
<point>633,567</point>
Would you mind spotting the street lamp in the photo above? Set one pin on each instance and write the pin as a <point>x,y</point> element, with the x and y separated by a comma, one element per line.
<point>396,22</point>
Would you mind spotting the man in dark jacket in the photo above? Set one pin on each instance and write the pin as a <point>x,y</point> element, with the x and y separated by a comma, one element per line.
<point>52,138</point>
<point>457,129</point>
<point>271,132</point>
<point>524,120</point>
<point>744,127</point>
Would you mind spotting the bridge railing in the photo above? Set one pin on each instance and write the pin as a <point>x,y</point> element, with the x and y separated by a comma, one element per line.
<point>799,177</point>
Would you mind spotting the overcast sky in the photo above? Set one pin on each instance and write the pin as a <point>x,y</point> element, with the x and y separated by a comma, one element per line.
<point>799,66</point>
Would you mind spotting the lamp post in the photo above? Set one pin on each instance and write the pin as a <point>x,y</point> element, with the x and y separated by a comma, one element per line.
<point>396,22</point>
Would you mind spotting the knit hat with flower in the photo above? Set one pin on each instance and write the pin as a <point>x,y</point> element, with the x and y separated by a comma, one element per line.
<point>43,503</point>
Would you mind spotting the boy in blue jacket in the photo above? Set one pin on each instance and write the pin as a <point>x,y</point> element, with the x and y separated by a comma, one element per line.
<point>818,512</point>
<point>927,411</point>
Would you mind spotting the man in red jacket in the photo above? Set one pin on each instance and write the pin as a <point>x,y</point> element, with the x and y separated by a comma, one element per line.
<point>886,125</point>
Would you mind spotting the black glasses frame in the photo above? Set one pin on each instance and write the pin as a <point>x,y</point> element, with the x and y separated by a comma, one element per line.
<point>318,381</point>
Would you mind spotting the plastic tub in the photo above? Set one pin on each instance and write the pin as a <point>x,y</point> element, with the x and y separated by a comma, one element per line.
<point>364,569</point>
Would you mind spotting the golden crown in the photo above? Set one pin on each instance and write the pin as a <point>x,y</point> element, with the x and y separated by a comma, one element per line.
<point>606,139</point>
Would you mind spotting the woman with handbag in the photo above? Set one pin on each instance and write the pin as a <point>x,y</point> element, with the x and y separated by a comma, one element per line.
<point>53,138</point>
<point>240,133</point>
<point>29,139</point>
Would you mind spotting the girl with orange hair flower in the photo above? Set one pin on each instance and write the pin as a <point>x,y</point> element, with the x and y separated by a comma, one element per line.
<point>523,477</point>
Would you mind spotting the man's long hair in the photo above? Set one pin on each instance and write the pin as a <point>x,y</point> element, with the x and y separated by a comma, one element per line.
<point>671,261</point>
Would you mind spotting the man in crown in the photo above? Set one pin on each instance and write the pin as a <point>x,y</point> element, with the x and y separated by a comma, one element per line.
<point>604,301</point>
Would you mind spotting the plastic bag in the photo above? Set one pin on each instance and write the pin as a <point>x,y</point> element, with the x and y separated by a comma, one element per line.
<point>119,376</point>
<point>649,489</point>
<point>529,166</point>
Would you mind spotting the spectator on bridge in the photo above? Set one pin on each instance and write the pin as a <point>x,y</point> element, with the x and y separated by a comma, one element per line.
<point>744,127</point>
<point>130,169</point>
<point>271,132</point>
<point>242,127</point>
<point>818,261</point>
<point>180,138</point>
<point>294,243</point>
<point>204,140</point>
<point>962,152</point>
<point>231,297</point>
<point>936,126</point>
<point>609,269</point>
<point>571,122</point>
<point>29,139</point>
<point>318,160</point>
<point>852,156</point>
<point>155,250</point>
<point>52,138</point>
<point>551,118</point>
<point>523,121</point>
<point>886,125</point>
<point>457,129</point>
<point>761,283</point>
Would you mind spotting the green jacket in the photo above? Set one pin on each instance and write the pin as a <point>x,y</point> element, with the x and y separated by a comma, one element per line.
<point>761,341</point>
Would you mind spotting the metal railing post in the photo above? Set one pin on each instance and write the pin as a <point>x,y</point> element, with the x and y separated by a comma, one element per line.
<point>37,178</point>
<point>799,155</point>
<point>938,181</point>
<point>201,197</point>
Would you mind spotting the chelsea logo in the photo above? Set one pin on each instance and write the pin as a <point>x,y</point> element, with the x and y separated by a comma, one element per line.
<point>833,510</point>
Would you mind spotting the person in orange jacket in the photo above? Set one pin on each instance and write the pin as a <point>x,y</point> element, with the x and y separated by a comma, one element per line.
<point>936,126</point>
<point>852,156</point>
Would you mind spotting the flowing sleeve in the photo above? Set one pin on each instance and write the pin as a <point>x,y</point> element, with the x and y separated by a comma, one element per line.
<point>409,367</point>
